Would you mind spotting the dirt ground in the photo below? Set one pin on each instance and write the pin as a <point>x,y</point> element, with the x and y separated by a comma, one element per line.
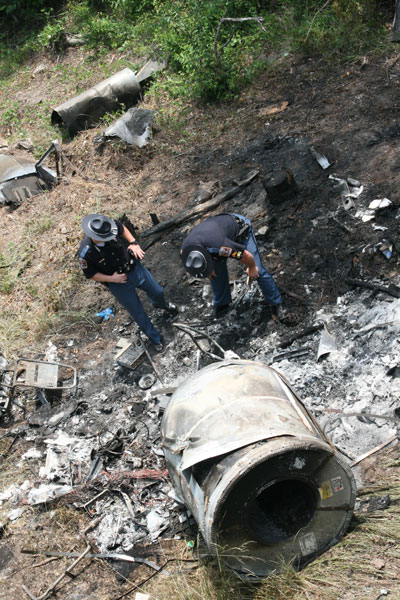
<point>312,245</point>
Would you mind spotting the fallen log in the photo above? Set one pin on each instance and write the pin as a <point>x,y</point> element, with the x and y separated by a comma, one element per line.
<point>201,208</point>
<point>303,333</point>
<point>392,290</point>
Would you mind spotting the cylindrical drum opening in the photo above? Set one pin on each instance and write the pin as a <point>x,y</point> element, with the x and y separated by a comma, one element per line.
<point>281,509</point>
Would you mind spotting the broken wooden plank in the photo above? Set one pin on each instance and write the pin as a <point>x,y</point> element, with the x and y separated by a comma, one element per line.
<point>376,449</point>
<point>201,208</point>
<point>392,290</point>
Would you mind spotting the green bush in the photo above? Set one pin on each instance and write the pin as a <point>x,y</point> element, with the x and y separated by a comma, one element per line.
<point>212,47</point>
<point>211,59</point>
<point>17,14</point>
<point>51,36</point>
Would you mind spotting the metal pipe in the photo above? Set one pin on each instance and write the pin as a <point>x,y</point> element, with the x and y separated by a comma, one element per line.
<point>258,474</point>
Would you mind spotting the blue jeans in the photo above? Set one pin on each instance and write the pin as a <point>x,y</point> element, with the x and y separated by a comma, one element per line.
<point>126,294</point>
<point>220,285</point>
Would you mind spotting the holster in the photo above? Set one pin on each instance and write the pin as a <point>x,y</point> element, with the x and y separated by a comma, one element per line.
<point>244,229</point>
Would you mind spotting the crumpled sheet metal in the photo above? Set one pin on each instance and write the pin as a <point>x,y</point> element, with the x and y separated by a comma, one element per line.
<point>327,344</point>
<point>84,111</point>
<point>134,127</point>
<point>149,69</point>
<point>20,179</point>
<point>212,413</point>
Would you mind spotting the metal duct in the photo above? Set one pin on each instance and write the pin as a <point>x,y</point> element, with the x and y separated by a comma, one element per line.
<point>109,95</point>
<point>258,474</point>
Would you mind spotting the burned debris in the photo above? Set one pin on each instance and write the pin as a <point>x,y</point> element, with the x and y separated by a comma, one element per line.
<point>123,90</point>
<point>21,178</point>
<point>46,376</point>
<point>100,450</point>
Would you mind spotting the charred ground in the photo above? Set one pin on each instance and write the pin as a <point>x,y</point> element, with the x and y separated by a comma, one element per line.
<point>312,245</point>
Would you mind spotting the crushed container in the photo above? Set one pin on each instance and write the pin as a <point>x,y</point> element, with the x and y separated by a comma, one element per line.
<point>251,463</point>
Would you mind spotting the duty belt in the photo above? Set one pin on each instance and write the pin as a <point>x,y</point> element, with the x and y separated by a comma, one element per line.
<point>128,265</point>
<point>244,228</point>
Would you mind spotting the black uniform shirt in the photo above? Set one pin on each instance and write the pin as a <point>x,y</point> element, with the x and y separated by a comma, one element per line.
<point>108,259</point>
<point>218,234</point>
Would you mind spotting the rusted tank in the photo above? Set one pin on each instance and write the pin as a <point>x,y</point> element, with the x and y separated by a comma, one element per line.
<point>253,466</point>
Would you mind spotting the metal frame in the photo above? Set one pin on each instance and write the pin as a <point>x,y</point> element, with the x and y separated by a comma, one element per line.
<point>40,374</point>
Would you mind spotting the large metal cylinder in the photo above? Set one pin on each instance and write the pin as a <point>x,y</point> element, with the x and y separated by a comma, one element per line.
<point>258,474</point>
<point>87,108</point>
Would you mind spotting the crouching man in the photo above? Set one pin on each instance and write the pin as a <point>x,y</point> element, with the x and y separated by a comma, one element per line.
<point>205,252</point>
<point>110,255</point>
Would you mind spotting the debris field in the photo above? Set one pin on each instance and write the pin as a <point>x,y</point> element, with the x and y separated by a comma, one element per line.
<point>331,244</point>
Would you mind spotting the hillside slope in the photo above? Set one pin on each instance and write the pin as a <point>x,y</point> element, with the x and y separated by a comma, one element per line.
<point>313,246</point>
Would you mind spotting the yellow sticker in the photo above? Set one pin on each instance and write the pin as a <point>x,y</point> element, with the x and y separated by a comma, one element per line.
<point>326,490</point>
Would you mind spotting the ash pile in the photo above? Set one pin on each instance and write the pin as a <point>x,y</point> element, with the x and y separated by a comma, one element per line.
<point>99,450</point>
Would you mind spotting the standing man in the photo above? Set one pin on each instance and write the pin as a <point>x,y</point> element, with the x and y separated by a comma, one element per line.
<point>208,246</point>
<point>110,254</point>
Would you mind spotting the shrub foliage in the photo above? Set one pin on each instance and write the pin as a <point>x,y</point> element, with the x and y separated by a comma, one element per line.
<point>213,47</point>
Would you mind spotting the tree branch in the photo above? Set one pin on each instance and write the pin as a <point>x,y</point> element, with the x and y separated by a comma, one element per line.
<point>258,20</point>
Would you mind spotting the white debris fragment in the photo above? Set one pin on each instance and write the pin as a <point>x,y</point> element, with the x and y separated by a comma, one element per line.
<point>356,192</point>
<point>230,355</point>
<point>46,493</point>
<point>56,419</point>
<point>365,216</point>
<point>32,453</point>
<point>62,439</point>
<point>51,352</point>
<point>10,492</point>
<point>174,495</point>
<point>156,523</point>
<point>299,463</point>
<point>379,203</point>
<point>15,514</point>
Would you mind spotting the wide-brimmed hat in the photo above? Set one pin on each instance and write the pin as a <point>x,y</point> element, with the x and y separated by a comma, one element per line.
<point>197,261</point>
<point>99,227</point>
